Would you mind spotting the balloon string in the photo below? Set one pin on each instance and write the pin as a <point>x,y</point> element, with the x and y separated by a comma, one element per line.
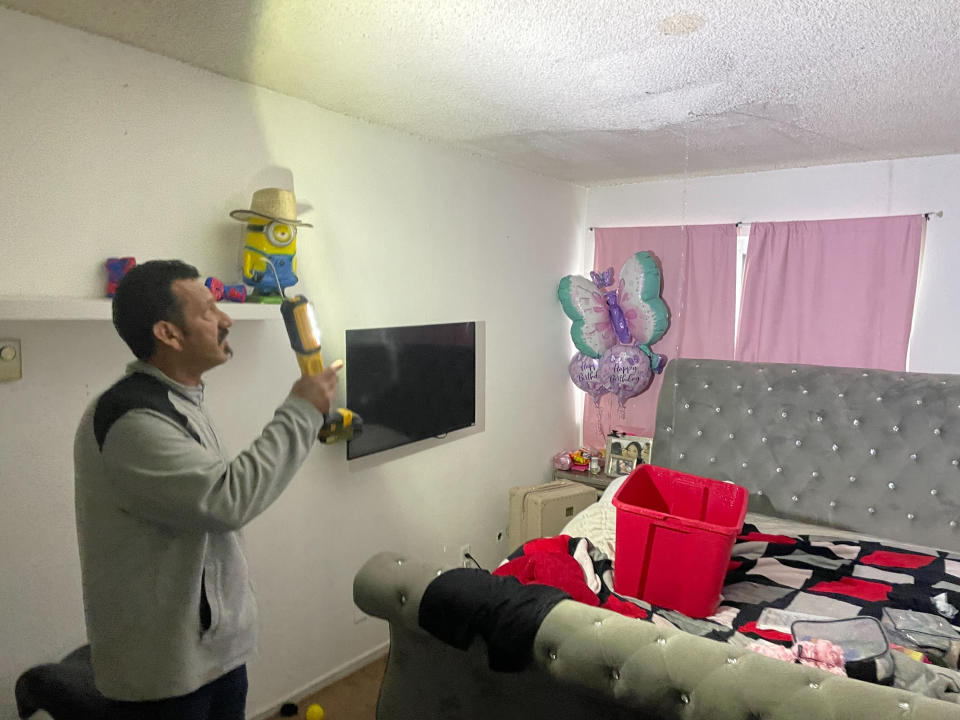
<point>684,246</point>
<point>599,421</point>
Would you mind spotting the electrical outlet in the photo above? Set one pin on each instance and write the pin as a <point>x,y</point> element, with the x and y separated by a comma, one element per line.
<point>464,560</point>
<point>358,615</point>
<point>10,364</point>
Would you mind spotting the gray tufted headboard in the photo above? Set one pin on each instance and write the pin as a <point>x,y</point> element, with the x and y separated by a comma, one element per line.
<point>873,451</point>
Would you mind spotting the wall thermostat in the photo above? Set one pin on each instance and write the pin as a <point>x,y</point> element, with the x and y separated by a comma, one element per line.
<point>10,365</point>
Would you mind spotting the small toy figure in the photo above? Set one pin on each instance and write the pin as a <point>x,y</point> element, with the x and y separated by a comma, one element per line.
<point>270,243</point>
<point>233,293</point>
<point>580,460</point>
<point>116,269</point>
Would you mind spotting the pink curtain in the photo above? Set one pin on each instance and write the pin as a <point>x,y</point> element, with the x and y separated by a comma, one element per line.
<point>698,272</point>
<point>832,292</point>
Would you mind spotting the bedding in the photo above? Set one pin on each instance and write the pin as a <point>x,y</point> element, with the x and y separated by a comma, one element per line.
<point>785,571</point>
<point>598,522</point>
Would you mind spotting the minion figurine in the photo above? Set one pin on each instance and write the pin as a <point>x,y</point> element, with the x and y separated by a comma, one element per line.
<point>270,243</point>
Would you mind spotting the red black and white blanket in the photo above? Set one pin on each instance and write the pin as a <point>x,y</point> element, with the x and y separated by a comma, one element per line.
<point>775,579</point>
<point>772,581</point>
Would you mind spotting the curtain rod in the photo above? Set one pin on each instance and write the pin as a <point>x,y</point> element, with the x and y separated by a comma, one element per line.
<point>926,215</point>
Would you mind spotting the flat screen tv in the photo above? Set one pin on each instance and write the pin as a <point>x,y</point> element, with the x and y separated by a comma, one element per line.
<point>410,383</point>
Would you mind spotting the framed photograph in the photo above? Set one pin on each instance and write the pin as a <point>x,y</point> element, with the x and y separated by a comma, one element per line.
<point>631,446</point>
<point>618,465</point>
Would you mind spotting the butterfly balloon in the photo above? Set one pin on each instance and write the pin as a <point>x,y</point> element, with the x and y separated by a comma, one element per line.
<point>606,323</point>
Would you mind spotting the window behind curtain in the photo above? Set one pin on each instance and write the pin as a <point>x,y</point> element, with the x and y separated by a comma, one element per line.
<point>830,292</point>
<point>698,270</point>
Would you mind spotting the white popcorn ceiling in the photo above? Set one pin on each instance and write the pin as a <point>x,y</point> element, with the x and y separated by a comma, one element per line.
<point>590,91</point>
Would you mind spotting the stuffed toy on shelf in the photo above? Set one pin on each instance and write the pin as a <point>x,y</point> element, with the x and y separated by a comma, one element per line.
<point>270,243</point>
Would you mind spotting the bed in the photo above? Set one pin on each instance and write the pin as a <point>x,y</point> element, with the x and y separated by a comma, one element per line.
<point>841,464</point>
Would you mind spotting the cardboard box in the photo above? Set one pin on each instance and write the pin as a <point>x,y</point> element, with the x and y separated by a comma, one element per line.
<point>542,510</point>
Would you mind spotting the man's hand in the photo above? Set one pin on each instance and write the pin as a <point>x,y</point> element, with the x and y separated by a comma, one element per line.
<point>319,390</point>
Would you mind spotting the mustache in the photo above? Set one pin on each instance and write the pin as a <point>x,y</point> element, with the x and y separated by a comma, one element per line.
<point>223,335</point>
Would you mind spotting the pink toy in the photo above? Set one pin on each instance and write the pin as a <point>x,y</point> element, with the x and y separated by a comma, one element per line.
<point>233,293</point>
<point>216,288</point>
<point>820,653</point>
<point>116,269</point>
<point>236,293</point>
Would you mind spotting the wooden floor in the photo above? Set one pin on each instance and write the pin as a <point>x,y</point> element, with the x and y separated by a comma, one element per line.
<point>351,698</point>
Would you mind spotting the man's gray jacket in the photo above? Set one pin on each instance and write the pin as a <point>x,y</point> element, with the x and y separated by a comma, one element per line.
<point>168,602</point>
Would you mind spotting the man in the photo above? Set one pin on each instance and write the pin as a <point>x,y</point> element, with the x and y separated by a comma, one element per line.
<point>170,613</point>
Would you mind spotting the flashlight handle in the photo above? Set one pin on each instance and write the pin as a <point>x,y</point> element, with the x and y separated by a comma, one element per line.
<point>304,336</point>
<point>337,424</point>
<point>310,364</point>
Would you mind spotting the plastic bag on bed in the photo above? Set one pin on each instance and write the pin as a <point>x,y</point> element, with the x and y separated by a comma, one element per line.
<point>930,634</point>
<point>866,650</point>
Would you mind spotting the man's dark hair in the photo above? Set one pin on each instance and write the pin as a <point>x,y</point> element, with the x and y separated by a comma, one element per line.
<point>144,297</point>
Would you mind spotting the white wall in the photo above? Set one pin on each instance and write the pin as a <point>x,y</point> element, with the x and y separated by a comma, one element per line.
<point>894,187</point>
<point>108,151</point>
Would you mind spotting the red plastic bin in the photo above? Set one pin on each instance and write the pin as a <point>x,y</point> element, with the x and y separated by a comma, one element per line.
<point>675,533</point>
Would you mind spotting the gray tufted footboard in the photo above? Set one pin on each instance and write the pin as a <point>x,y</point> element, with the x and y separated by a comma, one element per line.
<point>592,663</point>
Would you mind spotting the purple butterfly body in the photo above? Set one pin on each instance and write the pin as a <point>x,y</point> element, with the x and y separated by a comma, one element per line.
<point>617,318</point>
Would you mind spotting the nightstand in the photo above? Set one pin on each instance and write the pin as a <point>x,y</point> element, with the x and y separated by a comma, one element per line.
<point>599,482</point>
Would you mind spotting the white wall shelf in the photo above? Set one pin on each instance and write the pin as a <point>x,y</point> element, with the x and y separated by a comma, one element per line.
<point>44,307</point>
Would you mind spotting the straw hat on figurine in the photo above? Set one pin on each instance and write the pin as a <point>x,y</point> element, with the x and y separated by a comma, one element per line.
<point>271,205</point>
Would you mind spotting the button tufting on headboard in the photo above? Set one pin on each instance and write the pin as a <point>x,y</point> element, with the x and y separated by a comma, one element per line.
<point>873,450</point>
